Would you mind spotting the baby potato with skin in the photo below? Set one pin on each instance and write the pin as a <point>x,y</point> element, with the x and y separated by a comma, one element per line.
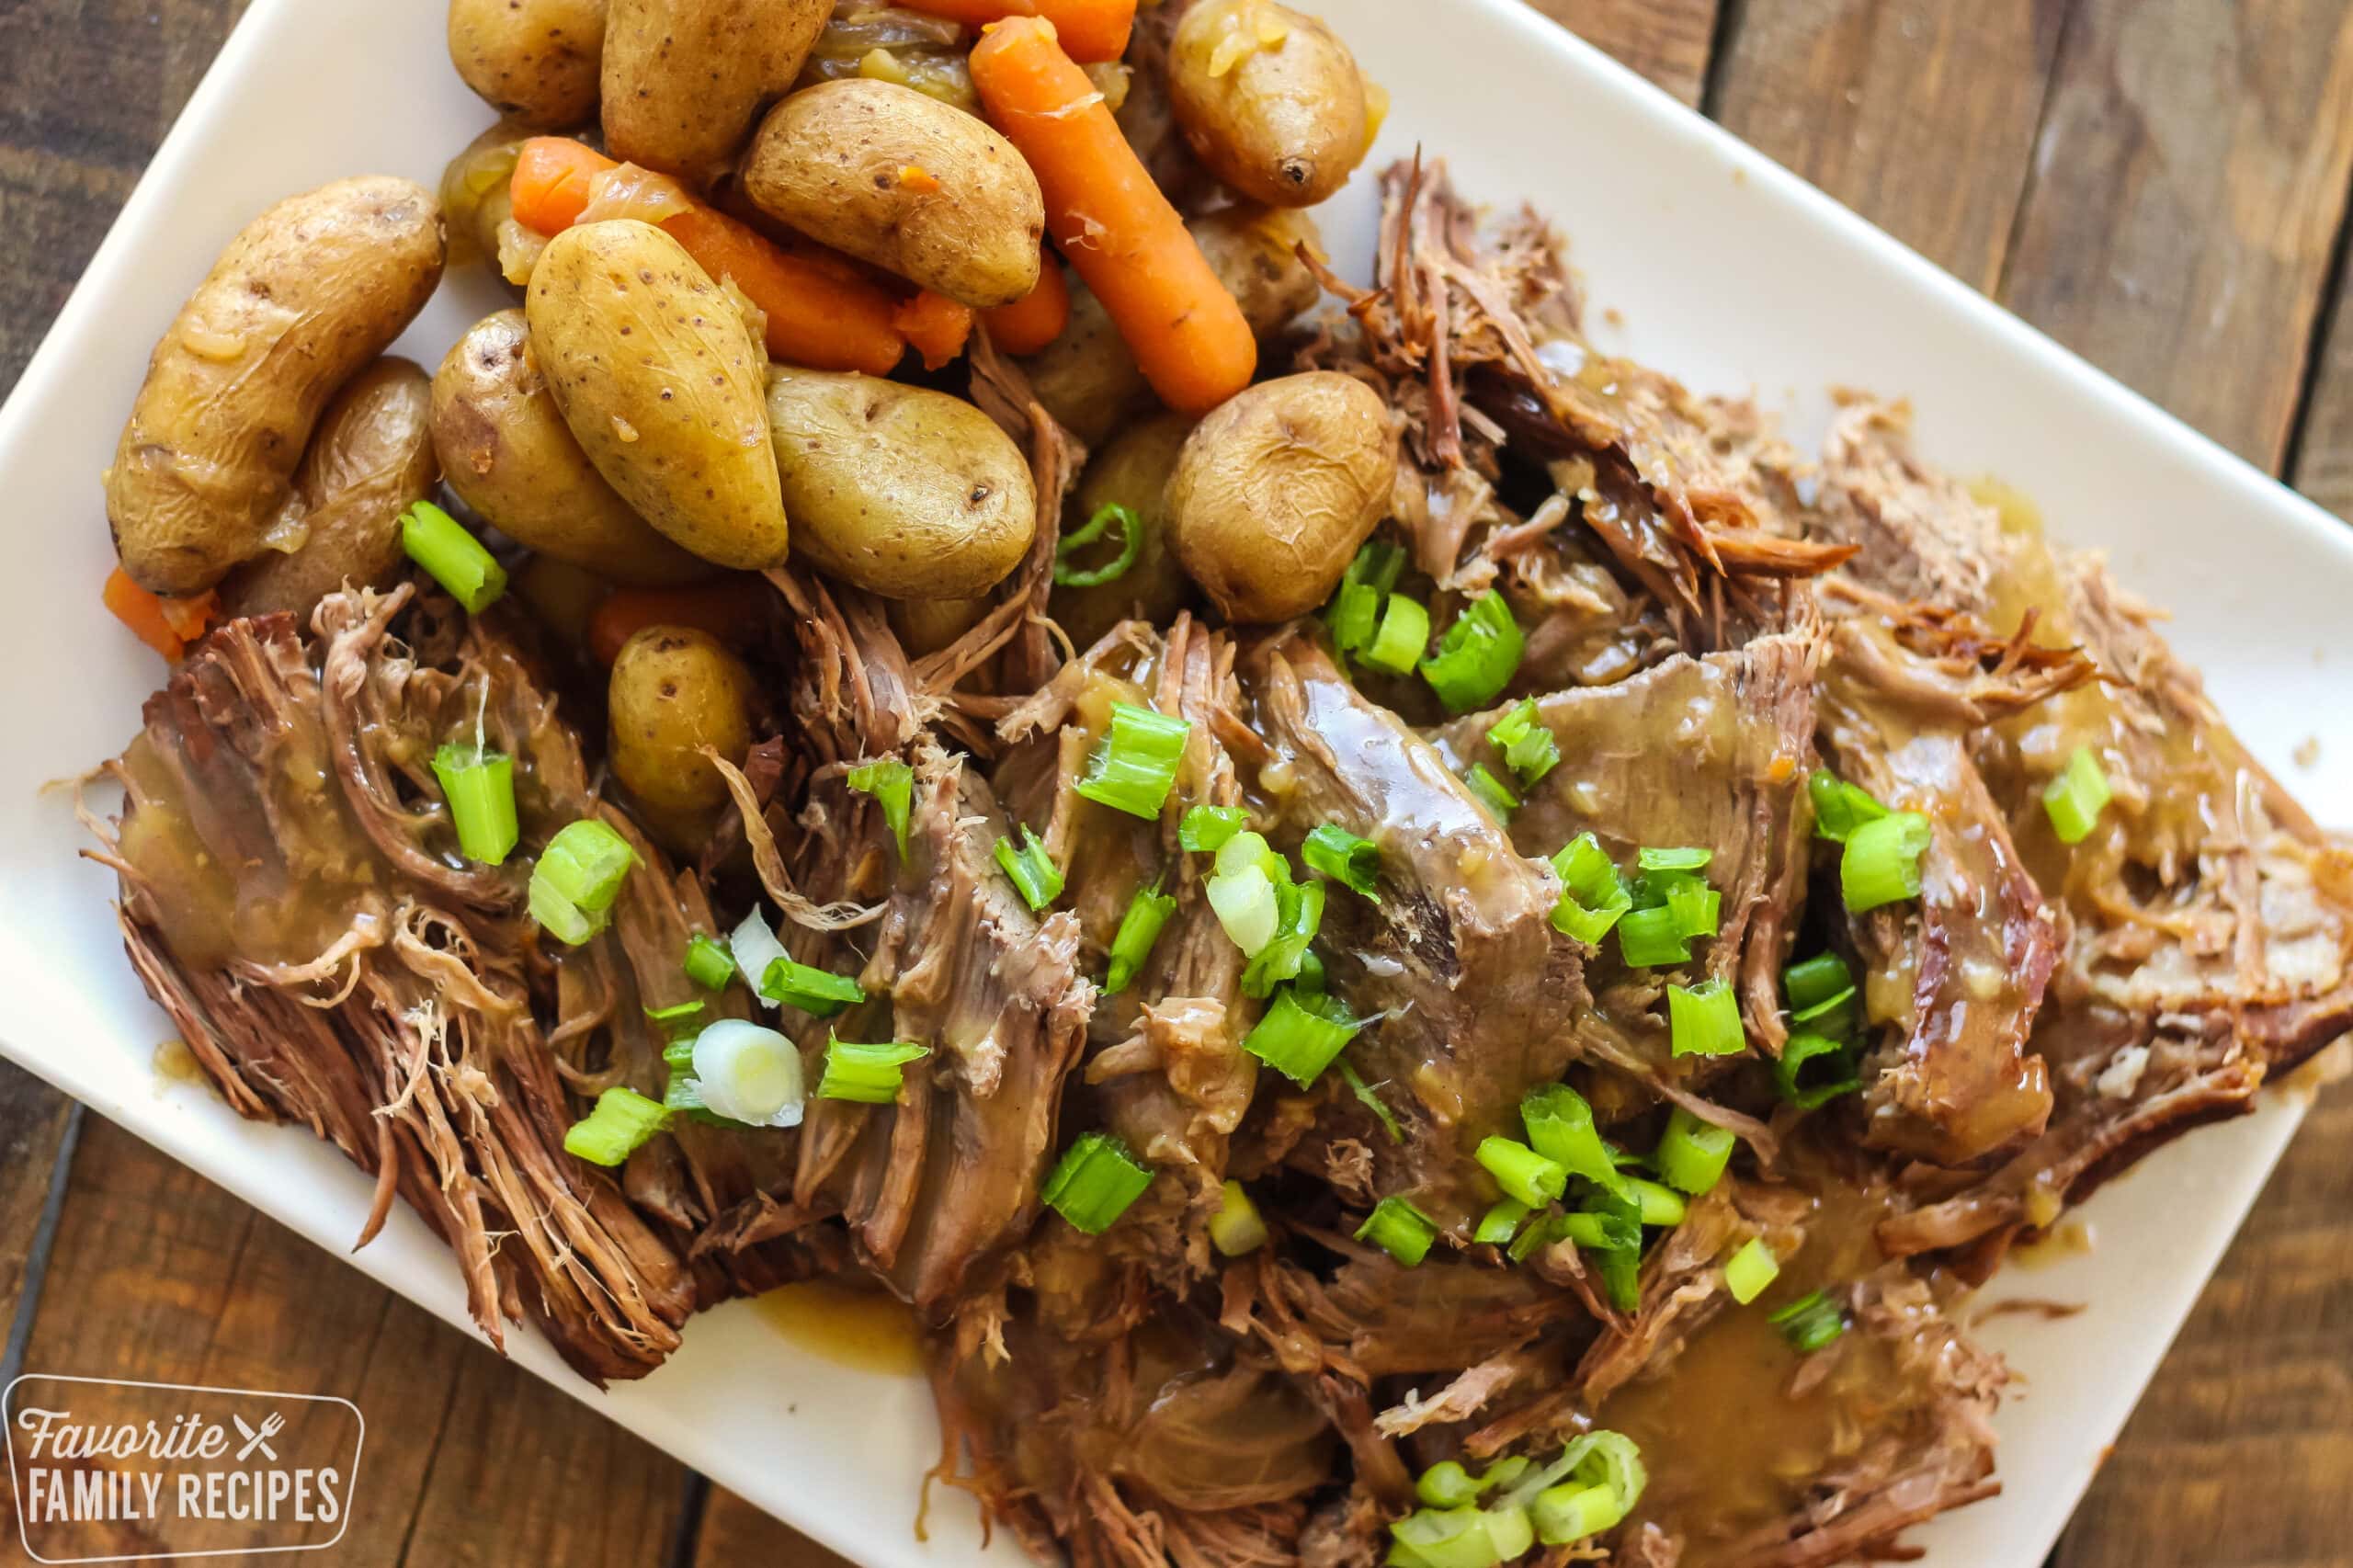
<point>907,493</point>
<point>674,691</point>
<point>1276,489</point>
<point>536,60</point>
<point>898,178</point>
<point>659,380</point>
<point>309,293</point>
<point>1269,99</point>
<point>1133,472</point>
<point>508,455</point>
<point>684,79</point>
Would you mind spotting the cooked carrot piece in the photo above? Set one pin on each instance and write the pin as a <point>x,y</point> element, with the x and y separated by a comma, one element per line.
<point>549,189</point>
<point>168,626</point>
<point>731,608</point>
<point>1091,30</point>
<point>1038,317</point>
<point>935,327</point>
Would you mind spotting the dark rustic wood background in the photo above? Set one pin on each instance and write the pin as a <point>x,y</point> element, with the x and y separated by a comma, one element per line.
<point>2162,185</point>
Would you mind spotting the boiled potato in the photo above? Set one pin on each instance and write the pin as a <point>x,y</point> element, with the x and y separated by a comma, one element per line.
<point>685,79</point>
<point>1269,99</point>
<point>926,626</point>
<point>311,291</point>
<point>536,60</point>
<point>372,460</point>
<point>659,380</point>
<point>907,493</point>
<point>478,192</point>
<point>1086,378</point>
<point>507,453</point>
<point>675,690</point>
<point>898,178</point>
<point>1133,472</point>
<point>1276,488</point>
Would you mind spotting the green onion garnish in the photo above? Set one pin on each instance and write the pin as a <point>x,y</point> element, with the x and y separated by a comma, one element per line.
<point>1704,1021</point>
<point>1815,981</point>
<point>749,1073</point>
<point>1094,1182</point>
<point>1832,1062</point>
<point>1478,655</point>
<point>1659,1205</point>
<point>480,788</point>
<point>1840,808</point>
<point>815,991</point>
<point>578,875</point>
<point>1881,863</point>
<point>870,1074</point>
<point>673,1019</point>
<point>1697,907</point>
<point>2074,799</point>
<point>1446,1484</point>
<point>1652,859</point>
<point>1357,606</point>
<point>1491,791</point>
<point>1809,1323</point>
<point>1502,1222</point>
<point>452,557</point>
<point>1536,1235</point>
<point>1521,1172</point>
<point>1648,939</point>
<point>1590,1488</point>
<point>1560,1127</point>
<point>1031,870</point>
<point>1835,1017</point>
<point>1371,1102</point>
<point>1593,896</point>
<point>1206,828</point>
<point>1610,1229</point>
<point>1140,928</point>
<point>620,1123</point>
<point>1692,1154</point>
<point>1459,1537</point>
<point>1749,1271</point>
<point>707,964</point>
<point>1237,1227</point>
<point>1399,1229</point>
<point>1301,1034</point>
<point>1405,633</point>
<point>1526,744</point>
<point>892,785</point>
<point>1340,855</point>
<point>1130,546</point>
<point>1134,764</point>
<point>1299,914</point>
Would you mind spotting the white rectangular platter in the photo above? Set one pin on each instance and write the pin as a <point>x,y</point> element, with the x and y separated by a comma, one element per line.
<point>1723,268</point>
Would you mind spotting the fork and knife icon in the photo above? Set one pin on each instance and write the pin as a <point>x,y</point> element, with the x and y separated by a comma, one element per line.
<point>259,1439</point>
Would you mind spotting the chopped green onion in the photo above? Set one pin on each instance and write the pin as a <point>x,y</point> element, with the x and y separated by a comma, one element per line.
<point>1521,1172</point>
<point>1648,939</point>
<point>2074,798</point>
<point>1340,855</point>
<point>1371,1102</point>
<point>1459,1537</point>
<point>1660,1205</point>
<point>1600,1461</point>
<point>1881,863</point>
<point>1538,1234</point>
<point>1692,1154</point>
<point>680,1053</point>
<point>673,1019</point>
<point>1094,1182</point>
<point>1134,764</point>
<point>1502,1222</point>
<point>1446,1484</point>
<point>892,785</point>
<point>1560,1126</point>
<point>620,1123</point>
<point>1593,896</point>
<point>480,788</point>
<point>1697,907</point>
<point>1148,911</point>
<point>1299,914</point>
<point>1399,1229</point>
<point>749,1073</point>
<point>1206,828</point>
<point>1836,1016</point>
<point>1247,904</point>
<point>1237,1227</point>
<point>1491,791</point>
<point>1405,633</point>
<point>1840,808</point>
<point>1031,870</point>
<point>1301,1034</point>
<point>1809,1323</point>
<point>1478,655</point>
<point>1835,1075</point>
<point>870,1074</point>
<point>1526,744</point>
<point>578,875</point>
<point>1816,980</point>
<point>1610,1228</point>
<point>1310,972</point>
<point>1130,546</point>
<point>1363,586</point>
<point>815,991</point>
<point>755,951</point>
<point>452,557</point>
<point>1704,1021</point>
<point>708,963</point>
<point>1655,859</point>
<point>1749,1271</point>
<point>1569,1512</point>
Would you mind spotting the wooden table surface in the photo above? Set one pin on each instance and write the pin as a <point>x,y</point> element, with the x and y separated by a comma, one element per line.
<point>2162,185</point>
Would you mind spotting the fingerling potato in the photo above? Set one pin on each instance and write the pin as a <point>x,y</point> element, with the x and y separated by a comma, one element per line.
<point>674,691</point>
<point>684,79</point>
<point>312,290</point>
<point>898,178</point>
<point>926,626</point>
<point>536,60</point>
<point>1269,99</point>
<point>507,453</point>
<point>1276,489</point>
<point>371,461</point>
<point>904,491</point>
<point>1131,471</point>
<point>659,380</point>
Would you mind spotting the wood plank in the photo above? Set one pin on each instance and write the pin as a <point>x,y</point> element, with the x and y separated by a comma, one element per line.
<point>736,1533</point>
<point>2323,459</point>
<point>1918,114</point>
<point>1666,40</point>
<point>34,1119</point>
<point>2193,169</point>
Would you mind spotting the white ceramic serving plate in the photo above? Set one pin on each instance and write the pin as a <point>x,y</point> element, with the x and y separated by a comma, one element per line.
<point>1725,269</point>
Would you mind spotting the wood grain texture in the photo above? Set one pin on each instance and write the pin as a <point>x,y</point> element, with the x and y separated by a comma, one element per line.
<point>33,1122</point>
<point>735,1534</point>
<point>2192,174</point>
<point>2323,463</point>
<point>1666,40</point>
<point>1919,114</point>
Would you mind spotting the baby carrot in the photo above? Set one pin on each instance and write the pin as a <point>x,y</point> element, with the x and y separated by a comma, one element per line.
<point>168,626</point>
<point>1038,317</point>
<point>935,327</point>
<point>1091,30</point>
<point>549,189</point>
<point>1187,333</point>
